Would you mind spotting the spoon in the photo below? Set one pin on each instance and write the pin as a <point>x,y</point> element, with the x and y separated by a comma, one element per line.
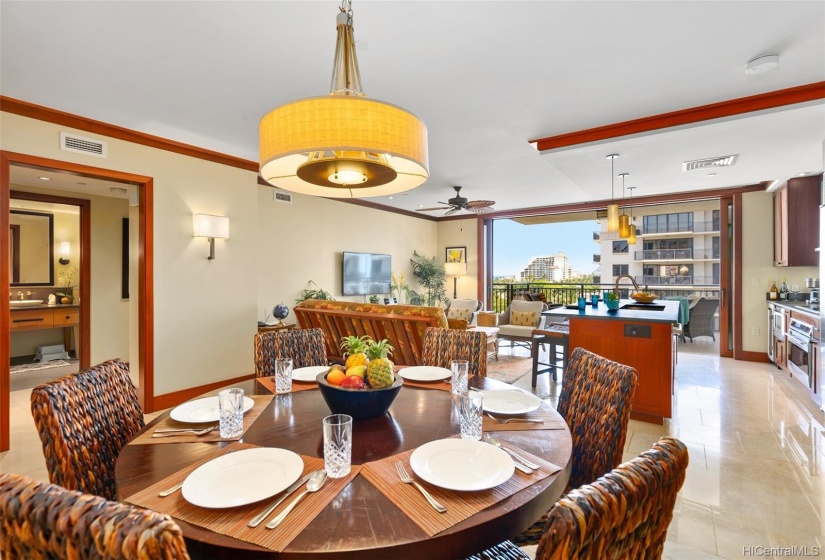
<point>318,479</point>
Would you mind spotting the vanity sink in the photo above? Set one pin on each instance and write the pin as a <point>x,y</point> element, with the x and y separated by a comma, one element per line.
<point>642,307</point>
<point>22,302</point>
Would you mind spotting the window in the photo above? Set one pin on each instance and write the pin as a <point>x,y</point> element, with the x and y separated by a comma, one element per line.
<point>664,223</point>
<point>619,269</point>
<point>620,246</point>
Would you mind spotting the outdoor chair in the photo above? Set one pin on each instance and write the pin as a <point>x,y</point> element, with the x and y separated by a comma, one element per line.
<point>41,520</point>
<point>306,347</point>
<point>700,319</point>
<point>519,320</point>
<point>463,309</point>
<point>595,400</point>
<point>442,346</point>
<point>84,420</point>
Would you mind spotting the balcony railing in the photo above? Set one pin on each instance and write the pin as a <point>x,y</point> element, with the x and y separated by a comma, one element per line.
<point>566,294</point>
<point>695,227</point>
<point>686,280</point>
<point>675,254</point>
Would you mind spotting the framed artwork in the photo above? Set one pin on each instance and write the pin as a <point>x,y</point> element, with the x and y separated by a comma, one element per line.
<point>456,255</point>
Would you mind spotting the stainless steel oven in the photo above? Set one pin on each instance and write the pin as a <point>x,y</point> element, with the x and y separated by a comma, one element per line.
<point>776,330</point>
<point>800,363</point>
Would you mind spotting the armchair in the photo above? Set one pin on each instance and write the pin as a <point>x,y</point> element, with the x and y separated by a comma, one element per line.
<point>463,309</point>
<point>517,322</point>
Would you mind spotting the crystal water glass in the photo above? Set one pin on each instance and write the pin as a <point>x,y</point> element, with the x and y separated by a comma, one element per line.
<point>230,412</point>
<point>283,376</point>
<point>469,414</point>
<point>460,369</point>
<point>337,445</point>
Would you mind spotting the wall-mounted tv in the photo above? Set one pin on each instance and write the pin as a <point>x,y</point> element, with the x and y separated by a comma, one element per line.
<point>366,274</point>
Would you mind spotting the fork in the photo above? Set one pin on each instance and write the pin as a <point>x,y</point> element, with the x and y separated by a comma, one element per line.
<point>508,420</point>
<point>191,431</point>
<point>407,479</point>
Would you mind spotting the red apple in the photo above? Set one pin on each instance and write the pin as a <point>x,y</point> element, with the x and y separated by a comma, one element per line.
<point>353,382</point>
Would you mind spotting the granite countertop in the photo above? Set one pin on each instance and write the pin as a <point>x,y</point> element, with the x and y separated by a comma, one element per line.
<point>670,313</point>
<point>800,306</point>
<point>44,306</point>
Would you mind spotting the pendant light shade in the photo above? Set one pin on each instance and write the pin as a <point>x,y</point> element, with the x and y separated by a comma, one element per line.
<point>631,239</point>
<point>624,219</point>
<point>343,145</point>
<point>612,208</point>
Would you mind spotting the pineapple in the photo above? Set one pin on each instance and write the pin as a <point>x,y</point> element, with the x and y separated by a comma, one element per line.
<point>355,348</point>
<point>379,368</point>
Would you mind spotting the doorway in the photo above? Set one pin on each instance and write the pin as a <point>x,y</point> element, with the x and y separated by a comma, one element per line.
<point>145,336</point>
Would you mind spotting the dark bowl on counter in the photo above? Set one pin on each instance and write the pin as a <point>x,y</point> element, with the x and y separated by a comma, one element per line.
<point>361,404</point>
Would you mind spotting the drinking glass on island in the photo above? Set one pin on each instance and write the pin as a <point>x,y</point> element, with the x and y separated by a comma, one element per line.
<point>230,412</point>
<point>460,368</point>
<point>283,376</point>
<point>594,299</point>
<point>469,414</point>
<point>582,303</point>
<point>337,445</point>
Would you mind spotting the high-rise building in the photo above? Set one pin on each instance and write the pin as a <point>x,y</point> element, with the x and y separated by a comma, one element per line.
<point>551,268</point>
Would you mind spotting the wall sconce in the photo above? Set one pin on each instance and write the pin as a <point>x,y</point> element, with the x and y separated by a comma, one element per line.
<point>211,227</point>
<point>65,250</point>
<point>455,270</point>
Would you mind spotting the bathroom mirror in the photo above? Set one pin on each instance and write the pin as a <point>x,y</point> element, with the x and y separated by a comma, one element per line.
<point>31,251</point>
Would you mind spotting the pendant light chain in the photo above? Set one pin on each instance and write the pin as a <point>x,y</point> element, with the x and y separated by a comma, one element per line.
<point>346,8</point>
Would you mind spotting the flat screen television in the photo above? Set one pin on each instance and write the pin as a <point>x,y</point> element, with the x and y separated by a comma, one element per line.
<point>366,274</point>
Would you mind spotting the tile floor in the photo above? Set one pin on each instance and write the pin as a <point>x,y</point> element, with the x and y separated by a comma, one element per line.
<point>757,455</point>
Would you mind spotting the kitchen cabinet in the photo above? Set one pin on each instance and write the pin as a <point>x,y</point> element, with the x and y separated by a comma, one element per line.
<point>796,222</point>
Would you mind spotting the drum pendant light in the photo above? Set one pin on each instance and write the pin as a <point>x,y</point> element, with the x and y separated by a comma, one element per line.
<point>631,239</point>
<point>343,145</point>
<point>624,220</point>
<point>612,208</point>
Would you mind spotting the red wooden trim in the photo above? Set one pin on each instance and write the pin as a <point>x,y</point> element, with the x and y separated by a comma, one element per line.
<point>737,277</point>
<point>47,114</point>
<point>722,109</point>
<point>725,282</point>
<point>392,210</point>
<point>481,262</point>
<point>168,400</point>
<point>15,257</point>
<point>755,357</point>
<point>5,308</point>
<point>687,196</point>
<point>146,295</point>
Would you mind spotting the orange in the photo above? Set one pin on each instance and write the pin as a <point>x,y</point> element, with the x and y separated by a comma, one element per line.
<point>335,377</point>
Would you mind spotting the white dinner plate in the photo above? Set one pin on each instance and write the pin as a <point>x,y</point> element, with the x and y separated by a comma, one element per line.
<point>425,373</point>
<point>462,464</point>
<point>308,374</point>
<point>242,477</point>
<point>509,402</point>
<point>203,410</point>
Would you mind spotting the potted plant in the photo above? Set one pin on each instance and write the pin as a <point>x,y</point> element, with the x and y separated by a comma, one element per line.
<point>313,293</point>
<point>67,281</point>
<point>611,300</point>
<point>430,274</point>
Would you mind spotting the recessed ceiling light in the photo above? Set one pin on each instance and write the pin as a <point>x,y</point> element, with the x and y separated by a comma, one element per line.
<point>803,173</point>
<point>44,178</point>
<point>421,206</point>
<point>711,174</point>
<point>761,64</point>
<point>389,197</point>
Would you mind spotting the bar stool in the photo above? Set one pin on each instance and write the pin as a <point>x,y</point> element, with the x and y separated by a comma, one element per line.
<point>557,335</point>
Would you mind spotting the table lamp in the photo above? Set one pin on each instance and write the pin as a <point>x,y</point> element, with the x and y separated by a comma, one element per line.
<point>455,270</point>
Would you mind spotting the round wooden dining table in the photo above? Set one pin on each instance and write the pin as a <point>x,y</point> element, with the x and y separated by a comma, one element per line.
<point>361,522</point>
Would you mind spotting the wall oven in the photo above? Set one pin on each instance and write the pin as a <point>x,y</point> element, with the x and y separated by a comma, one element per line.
<point>800,362</point>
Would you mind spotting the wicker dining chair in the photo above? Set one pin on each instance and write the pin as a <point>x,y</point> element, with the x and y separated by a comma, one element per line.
<point>622,515</point>
<point>84,420</point>
<point>442,346</point>
<point>40,520</point>
<point>306,347</point>
<point>595,400</point>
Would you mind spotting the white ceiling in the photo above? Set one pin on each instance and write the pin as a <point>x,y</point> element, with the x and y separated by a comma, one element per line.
<point>486,77</point>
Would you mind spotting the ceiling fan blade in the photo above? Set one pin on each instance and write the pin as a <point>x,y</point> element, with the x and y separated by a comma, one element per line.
<point>431,209</point>
<point>452,211</point>
<point>481,209</point>
<point>480,203</point>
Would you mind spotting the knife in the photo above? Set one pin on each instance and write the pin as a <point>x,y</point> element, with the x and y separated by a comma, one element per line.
<point>295,485</point>
<point>521,459</point>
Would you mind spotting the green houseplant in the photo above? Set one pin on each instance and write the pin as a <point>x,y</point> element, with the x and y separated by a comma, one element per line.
<point>430,274</point>
<point>313,292</point>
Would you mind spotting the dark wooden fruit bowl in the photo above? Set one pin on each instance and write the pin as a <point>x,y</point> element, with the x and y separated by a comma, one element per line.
<point>361,404</point>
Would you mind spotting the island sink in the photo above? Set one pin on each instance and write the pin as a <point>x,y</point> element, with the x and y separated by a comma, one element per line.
<point>641,307</point>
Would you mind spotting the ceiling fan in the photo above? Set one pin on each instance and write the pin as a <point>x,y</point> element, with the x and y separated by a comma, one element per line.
<point>458,202</point>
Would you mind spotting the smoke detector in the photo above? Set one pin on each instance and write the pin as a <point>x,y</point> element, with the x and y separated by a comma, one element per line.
<point>761,64</point>
<point>714,162</point>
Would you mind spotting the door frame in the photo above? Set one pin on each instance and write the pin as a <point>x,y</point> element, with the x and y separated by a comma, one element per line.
<point>145,188</point>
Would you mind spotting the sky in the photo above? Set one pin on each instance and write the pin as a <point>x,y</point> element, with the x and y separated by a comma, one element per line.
<point>515,244</point>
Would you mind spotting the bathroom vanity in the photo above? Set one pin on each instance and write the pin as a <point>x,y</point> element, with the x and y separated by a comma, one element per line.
<point>41,316</point>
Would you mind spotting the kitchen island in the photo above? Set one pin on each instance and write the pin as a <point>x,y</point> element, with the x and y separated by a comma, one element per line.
<point>638,335</point>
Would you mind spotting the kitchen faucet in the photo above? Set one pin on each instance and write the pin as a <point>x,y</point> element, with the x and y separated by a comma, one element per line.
<point>616,288</point>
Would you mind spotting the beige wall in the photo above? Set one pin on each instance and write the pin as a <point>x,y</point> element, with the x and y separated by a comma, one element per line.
<point>461,233</point>
<point>758,271</point>
<point>304,241</point>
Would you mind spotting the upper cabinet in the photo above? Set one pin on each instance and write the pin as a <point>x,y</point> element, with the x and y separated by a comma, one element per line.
<point>796,222</point>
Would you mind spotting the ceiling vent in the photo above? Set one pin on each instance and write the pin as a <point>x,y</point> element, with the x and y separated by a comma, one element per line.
<point>709,163</point>
<point>282,197</point>
<point>82,145</point>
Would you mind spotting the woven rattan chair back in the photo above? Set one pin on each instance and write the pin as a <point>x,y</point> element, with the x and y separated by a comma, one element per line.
<point>306,347</point>
<point>595,402</point>
<point>84,420</point>
<point>622,515</point>
<point>442,346</point>
<point>40,520</point>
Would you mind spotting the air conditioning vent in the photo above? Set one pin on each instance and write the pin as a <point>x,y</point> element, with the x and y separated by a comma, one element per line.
<point>282,197</point>
<point>709,163</point>
<point>82,145</point>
